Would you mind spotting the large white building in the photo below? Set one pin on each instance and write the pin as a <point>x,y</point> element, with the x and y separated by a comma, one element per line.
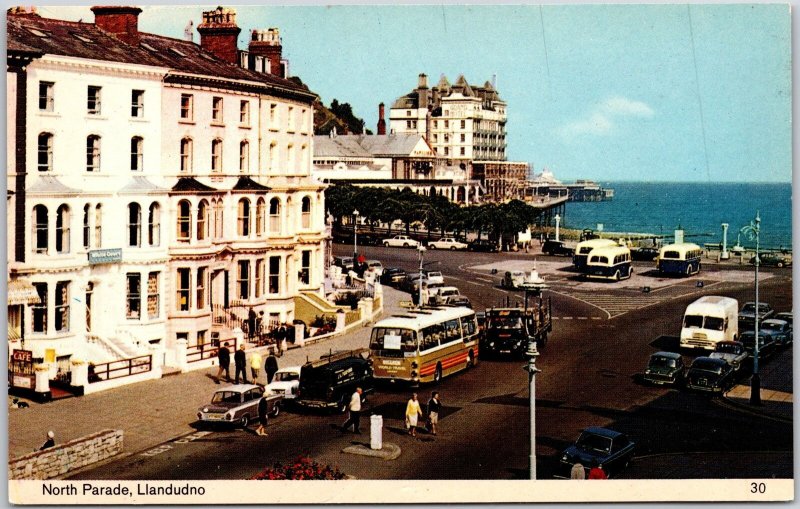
<point>159,189</point>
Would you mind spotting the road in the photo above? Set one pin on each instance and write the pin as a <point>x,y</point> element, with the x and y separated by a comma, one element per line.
<point>602,337</point>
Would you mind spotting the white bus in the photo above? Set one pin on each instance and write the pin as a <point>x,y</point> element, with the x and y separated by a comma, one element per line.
<point>709,320</point>
<point>583,249</point>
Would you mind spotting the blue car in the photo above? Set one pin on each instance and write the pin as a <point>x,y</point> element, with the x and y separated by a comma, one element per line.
<point>609,449</point>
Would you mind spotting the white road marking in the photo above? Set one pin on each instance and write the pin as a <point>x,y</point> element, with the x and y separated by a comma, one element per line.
<point>485,280</point>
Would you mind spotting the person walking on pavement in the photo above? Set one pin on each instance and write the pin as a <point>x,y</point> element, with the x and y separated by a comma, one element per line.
<point>50,442</point>
<point>413,411</point>
<point>354,418</point>
<point>597,472</point>
<point>434,407</point>
<point>251,324</point>
<point>262,417</point>
<point>255,364</point>
<point>224,359</point>
<point>577,472</point>
<point>240,361</point>
<point>271,366</point>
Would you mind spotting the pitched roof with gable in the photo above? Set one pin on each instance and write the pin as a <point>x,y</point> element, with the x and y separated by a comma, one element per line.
<point>191,185</point>
<point>366,145</point>
<point>247,184</point>
<point>443,89</point>
<point>47,184</point>
<point>141,185</point>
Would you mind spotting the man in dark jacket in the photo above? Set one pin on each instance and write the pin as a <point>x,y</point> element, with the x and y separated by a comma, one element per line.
<point>271,366</point>
<point>224,359</point>
<point>240,361</point>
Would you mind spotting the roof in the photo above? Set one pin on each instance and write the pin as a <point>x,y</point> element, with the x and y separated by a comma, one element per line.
<point>47,184</point>
<point>366,145</point>
<point>86,40</point>
<point>714,300</point>
<point>610,433</point>
<point>238,388</point>
<point>444,89</point>
<point>191,185</point>
<point>595,243</point>
<point>668,355</point>
<point>419,319</point>
<point>247,184</point>
<point>140,185</point>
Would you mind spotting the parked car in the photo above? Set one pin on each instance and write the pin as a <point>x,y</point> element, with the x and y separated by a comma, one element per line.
<point>748,312</point>
<point>376,266</point>
<point>400,241</point>
<point>780,330</point>
<point>773,260</point>
<point>392,275</point>
<point>458,300</point>
<point>365,239</point>
<point>786,316</point>
<point>442,293</point>
<point>610,449</point>
<point>709,375</point>
<point>345,262</point>
<point>557,248</point>
<point>286,382</point>
<point>447,243</point>
<point>766,344</point>
<point>433,276</point>
<point>483,245</point>
<point>732,352</point>
<point>238,405</point>
<point>645,254</point>
<point>330,382</point>
<point>665,368</point>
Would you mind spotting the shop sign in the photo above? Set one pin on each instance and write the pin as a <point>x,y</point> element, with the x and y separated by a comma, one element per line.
<point>99,256</point>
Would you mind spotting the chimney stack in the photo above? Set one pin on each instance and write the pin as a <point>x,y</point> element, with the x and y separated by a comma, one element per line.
<point>120,21</point>
<point>219,34</point>
<point>381,121</point>
<point>267,44</point>
<point>422,91</point>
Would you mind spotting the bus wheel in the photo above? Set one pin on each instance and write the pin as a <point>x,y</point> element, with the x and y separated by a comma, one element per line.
<point>437,375</point>
<point>616,276</point>
<point>688,270</point>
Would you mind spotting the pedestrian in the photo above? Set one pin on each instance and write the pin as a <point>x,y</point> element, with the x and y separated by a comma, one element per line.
<point>424,294</point>
<point>271,366</point>
<point>282,335</point>
<point>260,323</point>
<point>251,323</point>
<point>354,417</point>
<point>255,365</point>
<point>597,472</point>
<point>240,362</point>
<point>577,472</point>
<point>224,359</point>
<point>434,407</point>
<point>413,411</point>
<point>50,442</point>
<point>262,416</point>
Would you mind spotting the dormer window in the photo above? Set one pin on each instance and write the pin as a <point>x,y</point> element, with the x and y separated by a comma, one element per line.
<point>177,52</point>
<point>82,38</point>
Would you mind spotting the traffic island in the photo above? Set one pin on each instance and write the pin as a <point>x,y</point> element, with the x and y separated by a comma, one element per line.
<point>387,452</point>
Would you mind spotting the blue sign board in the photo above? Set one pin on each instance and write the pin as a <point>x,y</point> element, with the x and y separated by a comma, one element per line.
<point>99,256</point>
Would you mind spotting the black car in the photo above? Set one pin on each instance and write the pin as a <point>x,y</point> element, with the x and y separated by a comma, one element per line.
<point>766,343</point>
<point>748,313</point>
<point>486,246</point>
<point>709,375</point>
<point>609,449</point>
<point>644,254</point>
<point>665,368</point>
<point>773,260</point>
<point>556,248</point>
<point>786,316</point>
<point>780,330</point>
<point>392,276</point>
<point>330,382</point>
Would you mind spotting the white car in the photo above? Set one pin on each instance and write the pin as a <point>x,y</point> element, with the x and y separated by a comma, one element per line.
<point>434,277</point>
<point>286,381</point>
<point>376,266</point>
<point>442,293</point>
<point>447,243</point>
<point>400,241</point>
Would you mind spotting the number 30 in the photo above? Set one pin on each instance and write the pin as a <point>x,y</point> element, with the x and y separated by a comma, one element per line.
<point>758,487</point>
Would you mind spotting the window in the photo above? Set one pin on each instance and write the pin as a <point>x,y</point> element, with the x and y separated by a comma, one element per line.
<point>201,337</point>
<point>260,216</point>
<point>187,107</point>
<point>446,124</point>
<point>408,113</point>
<point>184,281</point>
<point>62,229</point>
<point>274,274</point>
<point>259,278</point>
<point>446,151</point>
<point>216,155</point>
<point>290,119</point>
<point>244,112</point>
<point>86,228</point>
<point>273,156</point>
<point>184,220</point>
<point>153,292</point>
<point>463,137</point>
<point>46,97</point>
<point>45,158</point>
<point>244,157</point>
<point>305,213</point>
<point>134,225</point>
<point>273,114</point>
<point>154,225</point>
<point>98,225</point>
<point>244,218</point>
<point>463,125</point>
<point>133,294</point>
<point>137,103</point>
<point>408,124</point>
<point>216,109</point>
<point>435,138</point>
<point>243,279</point>
<point>436,124</point>
<point>305,268</point>
<point>93,100</point>
<point>137,154</point>
<point>202,220</point>
<point>186,155</point>
<point>39,311</point>
<point>290,157</point>
<point>201,288</point>
<point>275,215</point>
<point>219,225</point>
<point>463,151</point>
<point>93,153</point>
<point>62,306</point>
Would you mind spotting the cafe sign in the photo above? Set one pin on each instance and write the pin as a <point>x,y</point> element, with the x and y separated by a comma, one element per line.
<point>99,256</point>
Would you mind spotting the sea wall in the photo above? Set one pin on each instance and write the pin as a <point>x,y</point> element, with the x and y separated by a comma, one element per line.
<point>67,457</point>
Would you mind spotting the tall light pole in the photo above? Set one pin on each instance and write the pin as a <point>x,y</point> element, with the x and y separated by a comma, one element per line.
<point>751,231</point>
<point>421,250</point>
<point>355,237</point>
<point>532,353</point>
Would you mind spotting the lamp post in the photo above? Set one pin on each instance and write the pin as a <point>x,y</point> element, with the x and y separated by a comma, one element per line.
<point>421,250</point>
<point>751,231</point>
<point>355,237</point>
<point>532,353</point>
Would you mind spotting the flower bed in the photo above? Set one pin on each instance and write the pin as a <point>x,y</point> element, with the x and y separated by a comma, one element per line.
<point>302,468</point>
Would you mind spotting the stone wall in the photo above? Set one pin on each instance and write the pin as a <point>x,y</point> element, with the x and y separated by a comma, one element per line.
<point>66,457</point>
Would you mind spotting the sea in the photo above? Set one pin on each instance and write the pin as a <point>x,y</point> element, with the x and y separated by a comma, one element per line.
<point>659,208</point>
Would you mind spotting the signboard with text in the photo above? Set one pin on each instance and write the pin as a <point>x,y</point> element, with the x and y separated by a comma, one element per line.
<point>99,256</point>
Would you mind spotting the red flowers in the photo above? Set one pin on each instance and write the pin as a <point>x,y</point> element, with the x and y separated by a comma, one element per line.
<point>301,469</point>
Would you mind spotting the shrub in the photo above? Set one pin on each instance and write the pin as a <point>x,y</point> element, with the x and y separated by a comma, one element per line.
<point>302,468</point>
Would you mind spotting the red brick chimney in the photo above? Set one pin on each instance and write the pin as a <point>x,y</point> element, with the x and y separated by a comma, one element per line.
<point>267,43</point>
<point>381,121</point>
<point>120,21</point>
<point>219,34</point>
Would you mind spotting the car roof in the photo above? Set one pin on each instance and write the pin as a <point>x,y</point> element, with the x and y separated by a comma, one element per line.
<point>238,388</point>
<point>668,355</point>
<point>605,432</point>
<point>775,320</point>
<point>730,343</point>
<point>708,360</point>
<point>290,369</point>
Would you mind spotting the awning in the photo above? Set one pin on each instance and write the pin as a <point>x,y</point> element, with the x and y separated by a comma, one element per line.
<point>21,291</point>
<point>13,334</point>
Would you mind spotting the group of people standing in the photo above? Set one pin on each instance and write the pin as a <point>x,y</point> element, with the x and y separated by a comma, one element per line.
<point>412,414</point>
<point>240,362</point>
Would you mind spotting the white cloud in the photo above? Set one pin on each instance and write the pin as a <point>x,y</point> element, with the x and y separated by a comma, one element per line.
<point>602,119</point>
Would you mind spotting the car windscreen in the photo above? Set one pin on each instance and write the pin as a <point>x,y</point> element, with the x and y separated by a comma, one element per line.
<point>225,397</point>
<point>728,348</point>
<point>772,326</point>
<point>592,442</point>
<point>286,376</point>
<point>749,308</point>
<point>695,321</point>
<point>662,362</point>
<point>504,321</point>
<point>713,323</point>
<point>706,365</point>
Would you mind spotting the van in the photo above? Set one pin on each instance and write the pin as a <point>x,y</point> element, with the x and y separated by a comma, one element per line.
<point>583,249</point>
<point>330,382</point>
<point>609,263</point>
<point>709,320</point>
<point>682,258</point>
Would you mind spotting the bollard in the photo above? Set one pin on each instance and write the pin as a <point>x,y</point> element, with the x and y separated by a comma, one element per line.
<point>376,432</point>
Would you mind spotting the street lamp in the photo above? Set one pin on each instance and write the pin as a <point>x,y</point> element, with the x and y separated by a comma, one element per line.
<point>751,231</point>
<point>421,250</point>
<point>531,354</point>
<point>355,236</point>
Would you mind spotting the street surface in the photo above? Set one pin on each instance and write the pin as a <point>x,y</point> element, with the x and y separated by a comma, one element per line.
<point>603,334</point>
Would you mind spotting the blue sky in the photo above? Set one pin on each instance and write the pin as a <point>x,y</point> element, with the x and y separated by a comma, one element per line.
<point>605,92</point>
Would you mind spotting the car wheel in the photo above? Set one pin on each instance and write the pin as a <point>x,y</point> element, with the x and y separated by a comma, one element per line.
<point>245,420</point>
<point>277,410</point>
<point>385,244</point>
<point>616,276</point>
<point>405,244</point>
<point>431,246</point>
<point>453,248</point>
<point>779,265</point>
<point>437,375</point>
